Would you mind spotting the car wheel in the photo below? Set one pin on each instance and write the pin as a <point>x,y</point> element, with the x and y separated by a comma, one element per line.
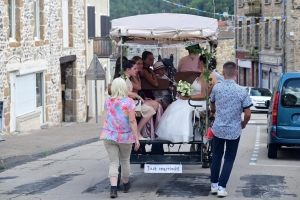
<point>272,151</point>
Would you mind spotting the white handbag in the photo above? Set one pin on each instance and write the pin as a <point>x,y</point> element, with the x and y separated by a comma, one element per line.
<point>138,105</point>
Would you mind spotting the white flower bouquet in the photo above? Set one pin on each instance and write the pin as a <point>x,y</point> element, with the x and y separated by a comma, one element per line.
<point>184,88</point>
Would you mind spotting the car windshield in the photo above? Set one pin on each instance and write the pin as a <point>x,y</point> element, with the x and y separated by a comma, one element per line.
<point>263,92</point>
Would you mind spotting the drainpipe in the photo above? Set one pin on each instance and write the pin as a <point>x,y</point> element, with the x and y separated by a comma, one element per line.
<point>235,37</point>
<point>108,79</point>
<point>284,67</point>
<point>86,61</point>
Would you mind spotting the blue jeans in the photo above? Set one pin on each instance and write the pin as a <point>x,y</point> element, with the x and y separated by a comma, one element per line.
<point>218,152</point>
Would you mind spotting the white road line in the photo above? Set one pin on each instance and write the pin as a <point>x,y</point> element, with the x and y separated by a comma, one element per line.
<point>253,159</point>
<point>264,165</point>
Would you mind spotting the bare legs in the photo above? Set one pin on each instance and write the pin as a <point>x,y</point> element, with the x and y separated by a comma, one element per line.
<point>144,120</point>
<point>114,180</point>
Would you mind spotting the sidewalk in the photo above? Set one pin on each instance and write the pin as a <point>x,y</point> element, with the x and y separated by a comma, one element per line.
<point>29,146</point>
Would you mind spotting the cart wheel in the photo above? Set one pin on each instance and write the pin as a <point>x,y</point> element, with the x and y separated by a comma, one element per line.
<point>119,177</point>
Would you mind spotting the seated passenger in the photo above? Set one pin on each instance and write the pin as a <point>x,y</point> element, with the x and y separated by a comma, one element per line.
<point>176,123</point>
<point>189,62</point>
<point>149,128</point>
<point>147,109</point>
<point>166,96</point>
<point>147,73</point>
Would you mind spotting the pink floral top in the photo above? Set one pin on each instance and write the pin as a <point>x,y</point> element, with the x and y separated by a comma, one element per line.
<point>117,126</point>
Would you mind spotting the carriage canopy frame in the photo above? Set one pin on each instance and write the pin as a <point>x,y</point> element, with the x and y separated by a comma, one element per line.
<point>163,30</point>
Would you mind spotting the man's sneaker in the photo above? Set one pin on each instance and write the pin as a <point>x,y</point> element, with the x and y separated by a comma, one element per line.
<point>126,187</point>
<point>222,192</point>
<point>213,189</point>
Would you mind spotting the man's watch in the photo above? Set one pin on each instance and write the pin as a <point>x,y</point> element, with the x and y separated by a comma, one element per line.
<point>213,112</point>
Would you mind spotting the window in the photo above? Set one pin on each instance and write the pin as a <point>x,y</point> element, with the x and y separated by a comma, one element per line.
<point>268,1</point>
<point>241,3</point>
<point>257,33</point>
<point>278,1</point>
<point>105,26</point>
<point>277,34</point>
<point>291,93</point>
<point>240,33</point>
<point>65,22</point>
<point>261,92</point>
<point>12,19</point>
<point>25,94</point>
<point>267,33</point>
<point>39,90</point>
<point>248,32</point>
<point>37,19</point>
<point>91,22</point>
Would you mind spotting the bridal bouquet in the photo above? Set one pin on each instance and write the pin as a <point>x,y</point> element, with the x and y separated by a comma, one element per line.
<point>184,88</point>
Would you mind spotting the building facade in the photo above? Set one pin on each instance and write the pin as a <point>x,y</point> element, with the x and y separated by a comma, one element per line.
<point>266,40</point>
<point>42,63</point>
<point>98,44</point>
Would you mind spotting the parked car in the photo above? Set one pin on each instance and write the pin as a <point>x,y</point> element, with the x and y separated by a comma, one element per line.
<point>284,113</point>
<point>259,96</point>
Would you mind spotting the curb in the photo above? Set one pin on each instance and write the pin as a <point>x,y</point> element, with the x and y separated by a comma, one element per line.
<point>15,160</point>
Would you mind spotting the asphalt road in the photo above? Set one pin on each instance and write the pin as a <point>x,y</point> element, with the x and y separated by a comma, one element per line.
<point>81,173</point>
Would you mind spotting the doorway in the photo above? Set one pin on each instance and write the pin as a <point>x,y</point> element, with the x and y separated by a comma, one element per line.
<point>68,91</point>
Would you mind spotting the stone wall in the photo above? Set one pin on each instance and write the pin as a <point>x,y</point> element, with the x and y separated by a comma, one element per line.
<point>49,49</point>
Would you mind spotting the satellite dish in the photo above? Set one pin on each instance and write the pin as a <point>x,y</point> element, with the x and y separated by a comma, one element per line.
<point>225,14</point>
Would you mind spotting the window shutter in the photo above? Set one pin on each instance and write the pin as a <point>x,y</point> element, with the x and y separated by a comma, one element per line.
<point>105,25</point>
<point>91,22</point>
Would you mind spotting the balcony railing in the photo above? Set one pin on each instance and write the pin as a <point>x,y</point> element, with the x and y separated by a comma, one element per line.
<point>251,52</point>
<point>102,47</point>
<point>252,8</point>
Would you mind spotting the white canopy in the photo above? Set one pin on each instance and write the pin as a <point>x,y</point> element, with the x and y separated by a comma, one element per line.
<point>173,27</point>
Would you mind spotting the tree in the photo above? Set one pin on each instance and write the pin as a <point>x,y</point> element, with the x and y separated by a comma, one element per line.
<point>121,8</point>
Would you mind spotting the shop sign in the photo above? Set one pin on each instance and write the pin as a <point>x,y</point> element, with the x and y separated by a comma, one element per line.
<point>269,59</point>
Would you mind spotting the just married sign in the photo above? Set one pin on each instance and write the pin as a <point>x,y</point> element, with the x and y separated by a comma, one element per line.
<point>163,168</point>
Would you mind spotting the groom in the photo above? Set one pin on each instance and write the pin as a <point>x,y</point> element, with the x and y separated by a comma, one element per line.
<point>228,100</point>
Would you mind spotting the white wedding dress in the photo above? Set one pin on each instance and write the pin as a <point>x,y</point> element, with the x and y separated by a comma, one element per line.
<point>175,124</point>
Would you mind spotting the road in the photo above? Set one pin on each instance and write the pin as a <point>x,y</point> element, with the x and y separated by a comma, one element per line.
<point>81,173</point>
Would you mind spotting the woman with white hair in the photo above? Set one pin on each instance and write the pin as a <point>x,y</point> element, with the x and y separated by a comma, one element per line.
<point>119,132</point>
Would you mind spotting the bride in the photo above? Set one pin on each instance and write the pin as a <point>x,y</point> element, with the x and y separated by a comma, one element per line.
<point>175,125</point>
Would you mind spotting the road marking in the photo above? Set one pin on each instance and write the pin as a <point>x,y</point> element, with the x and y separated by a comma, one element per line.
<point>265,165</point>
<point>253,159</point>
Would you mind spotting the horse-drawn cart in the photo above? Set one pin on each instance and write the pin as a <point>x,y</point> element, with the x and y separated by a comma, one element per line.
<point>168,31</point>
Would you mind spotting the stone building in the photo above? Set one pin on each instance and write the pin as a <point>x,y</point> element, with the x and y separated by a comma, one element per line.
<point>42,63</point>
<point>267,40</point>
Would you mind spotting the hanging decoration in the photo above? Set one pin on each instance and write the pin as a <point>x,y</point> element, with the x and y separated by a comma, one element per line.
<point>220,14</point>
<point>263,19</point>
